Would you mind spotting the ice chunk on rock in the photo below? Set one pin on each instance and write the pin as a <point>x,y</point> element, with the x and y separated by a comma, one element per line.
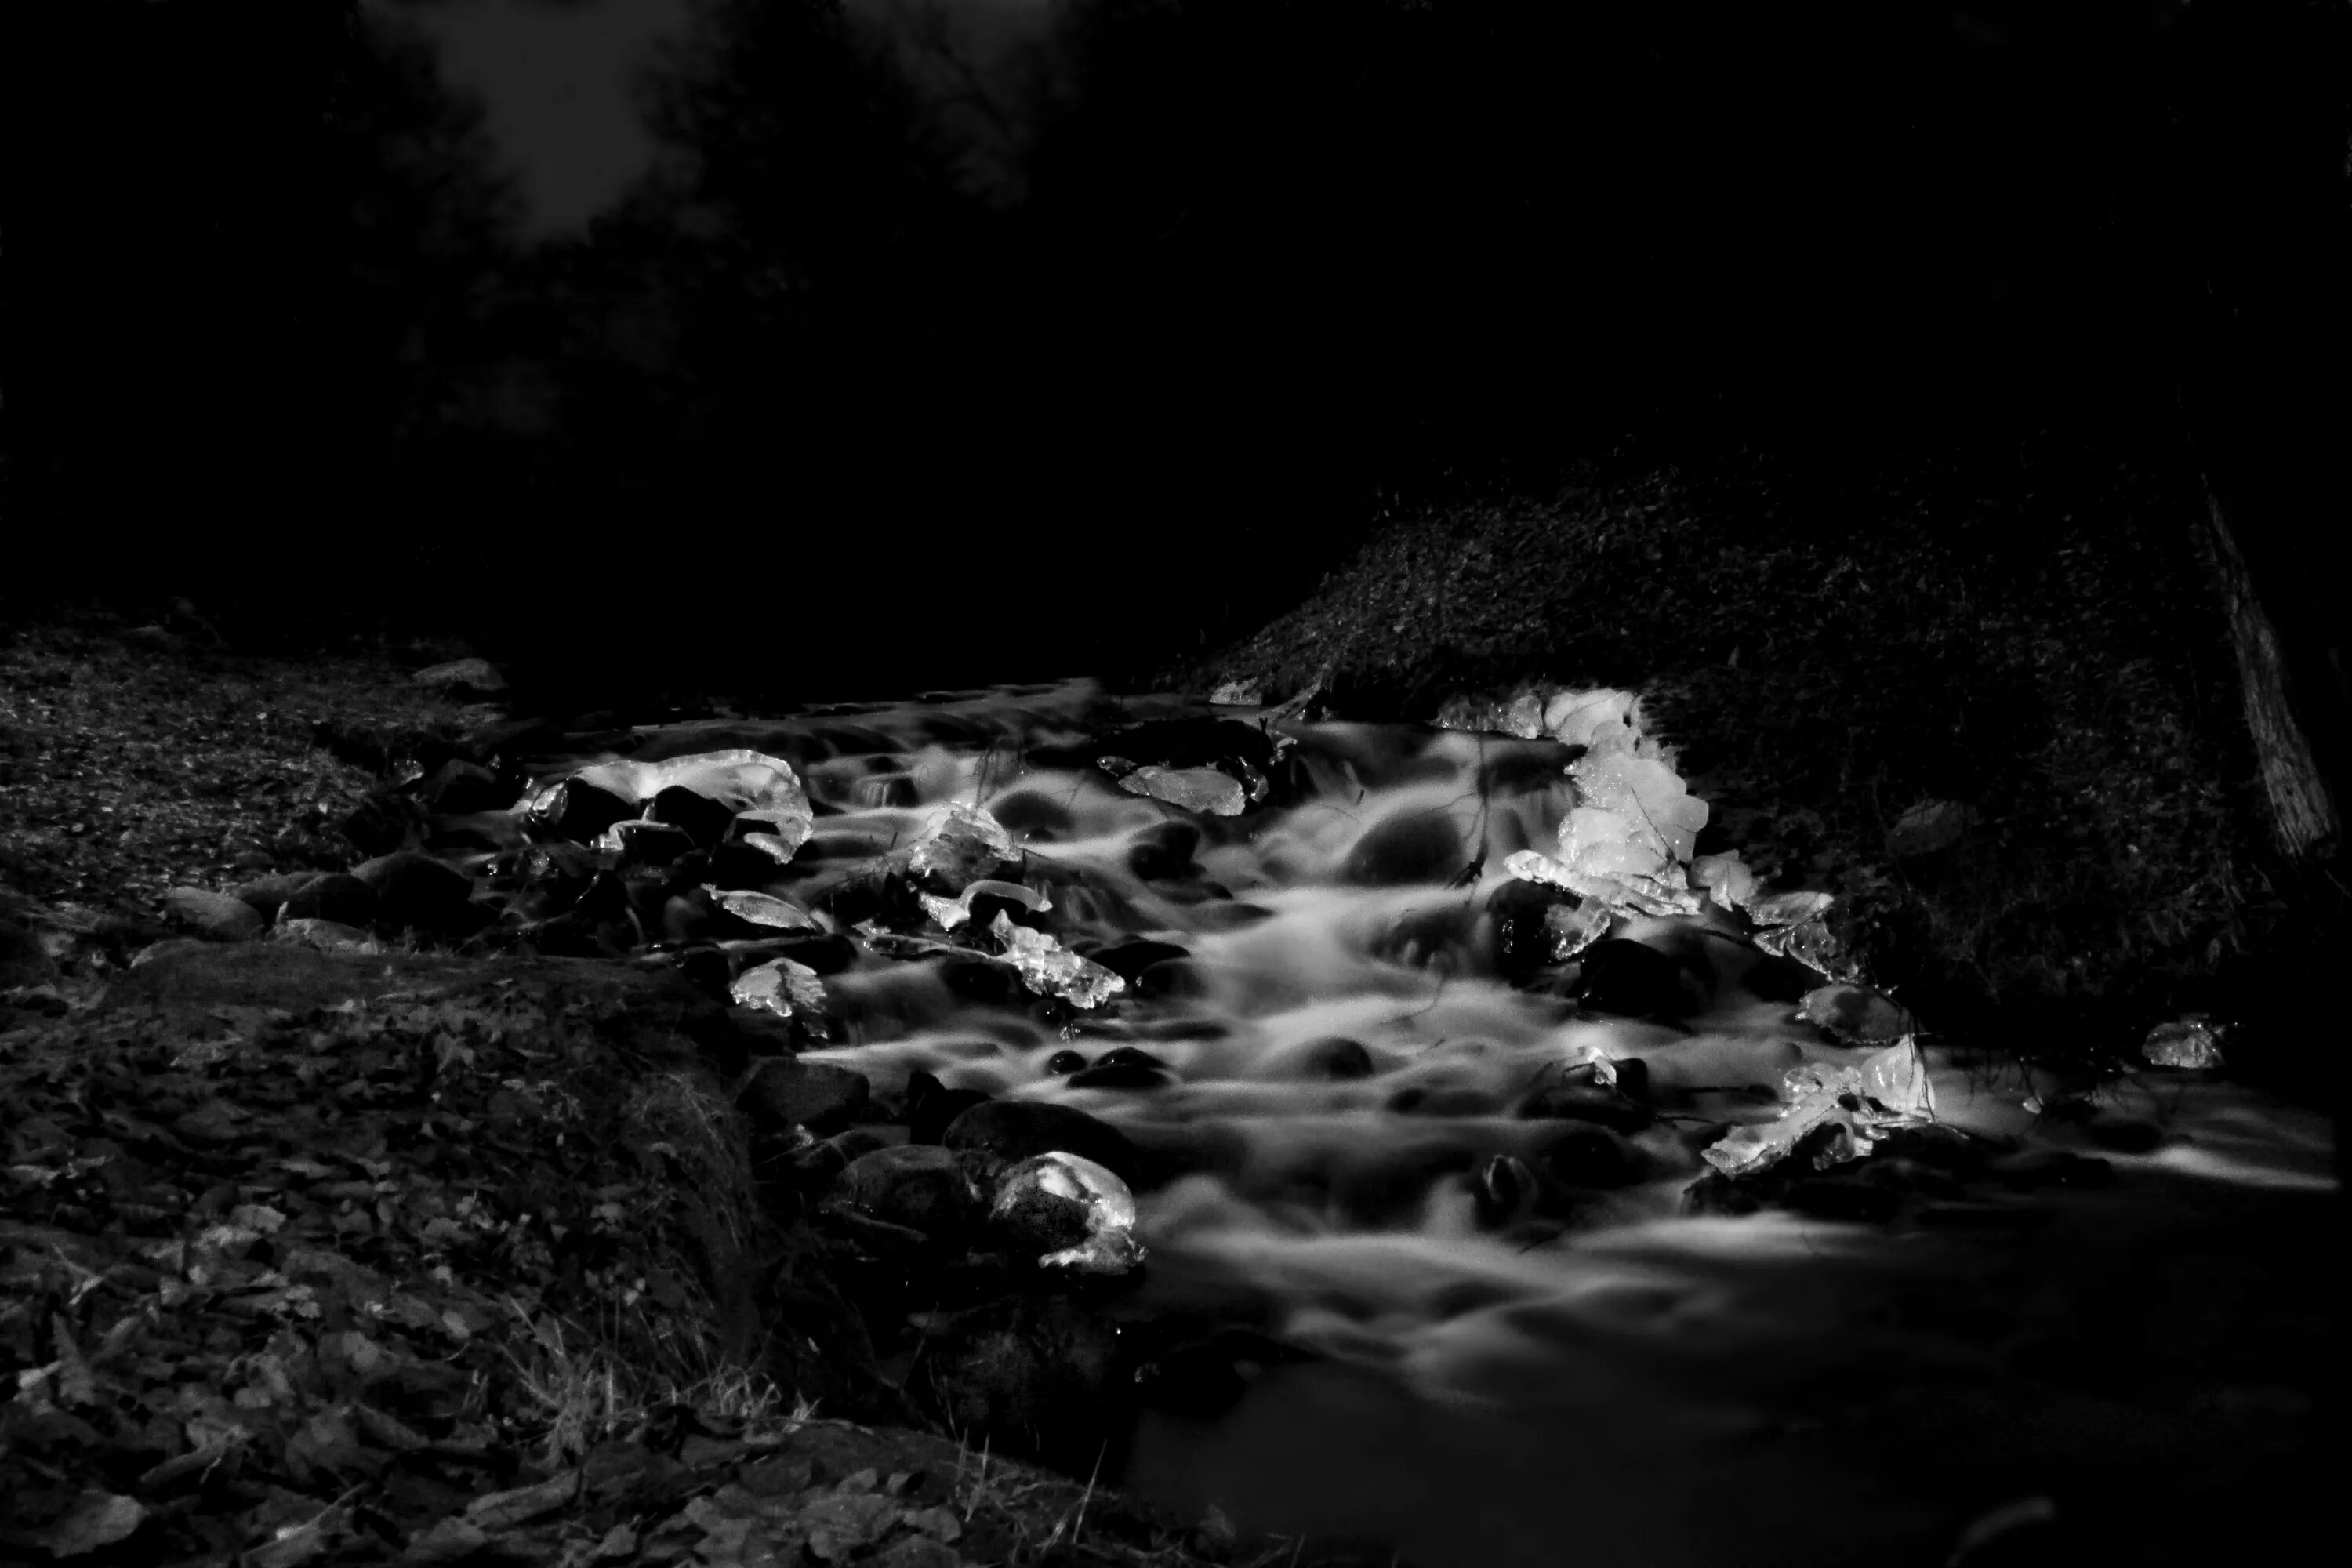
<point>1628,890</point>
<point>959,845</point>
<point>1887,1090</point>
<point>782,986</point>
<point>1082,1214</point>
<point>1811,944</point>
<point>764,909</point>
<point>1646,792</point>
<point>952,912</point>
<point>1726,879</point>
<point>1193,789</point>
<point>758,788</point>
<point>1855,1013</point>
<point>1048,967</point>
<point>2192,1041</point>
<point>1579,717</point>
<point>1789,909</point>
<point>1575,927</point>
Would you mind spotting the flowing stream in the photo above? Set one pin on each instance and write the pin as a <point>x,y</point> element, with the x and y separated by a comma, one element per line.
<point>1576,1372</point>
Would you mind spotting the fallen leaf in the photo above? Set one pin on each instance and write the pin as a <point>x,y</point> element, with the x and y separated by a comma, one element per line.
<point>96,1518</point>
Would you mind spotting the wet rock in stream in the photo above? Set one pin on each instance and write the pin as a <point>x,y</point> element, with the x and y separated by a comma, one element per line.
<point>932,1108</point>
<point>919,1186</point>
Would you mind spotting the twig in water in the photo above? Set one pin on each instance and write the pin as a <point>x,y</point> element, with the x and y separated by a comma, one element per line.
<point>1090,1494</point>
<point>1468,876</point>
<point>1444,973</point>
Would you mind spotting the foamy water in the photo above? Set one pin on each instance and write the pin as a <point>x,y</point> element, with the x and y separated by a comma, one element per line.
<point>1597,1379</point>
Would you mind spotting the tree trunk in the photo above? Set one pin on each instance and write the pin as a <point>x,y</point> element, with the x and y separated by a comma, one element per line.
<point>2304,817</point>
<point>2263,115</point>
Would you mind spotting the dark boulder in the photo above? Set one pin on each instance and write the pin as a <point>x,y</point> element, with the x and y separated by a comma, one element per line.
<point>1519,767</point>
<point>1335,1057</point>
<point>1004,1133</point>
<point>707,965</point>
<point>920,1186</point>
<point>986,906</point>
<point>1226,743</point>
<point>1175,979</point>
<point>1163,851</point>
<point>783,1092</point>
<point>879,894</point>
<point>1839,1198</point>
<point>1777,978</point>
<point>1580,1096</point>
<point>701,819</point>
<point>1129,959</point>
<point>818,1165</point>
<point>1635,981</point>
<point>1129,1074</point>
<point>216,917</point>
<point>827,952</point>
<point>737,866</point>
<point>335,896</point>
<point>543,879</point>
<point>414,891</point>
<point>383,822</point>
<point>1523,942</point>
<point>984,980</point>
<point>267,894</point>
<point>1029,812</point>
<point>1715,1195</point>
<point>931,1106</point>
<point>1423,845</point>
<point>648,843</point>
<point>460,788</point>
<point>579,812</point>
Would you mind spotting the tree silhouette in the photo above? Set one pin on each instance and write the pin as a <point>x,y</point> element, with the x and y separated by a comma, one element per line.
<point>225,226</point>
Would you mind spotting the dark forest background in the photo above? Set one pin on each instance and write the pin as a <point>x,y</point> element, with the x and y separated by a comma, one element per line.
<point>1118,352</point>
